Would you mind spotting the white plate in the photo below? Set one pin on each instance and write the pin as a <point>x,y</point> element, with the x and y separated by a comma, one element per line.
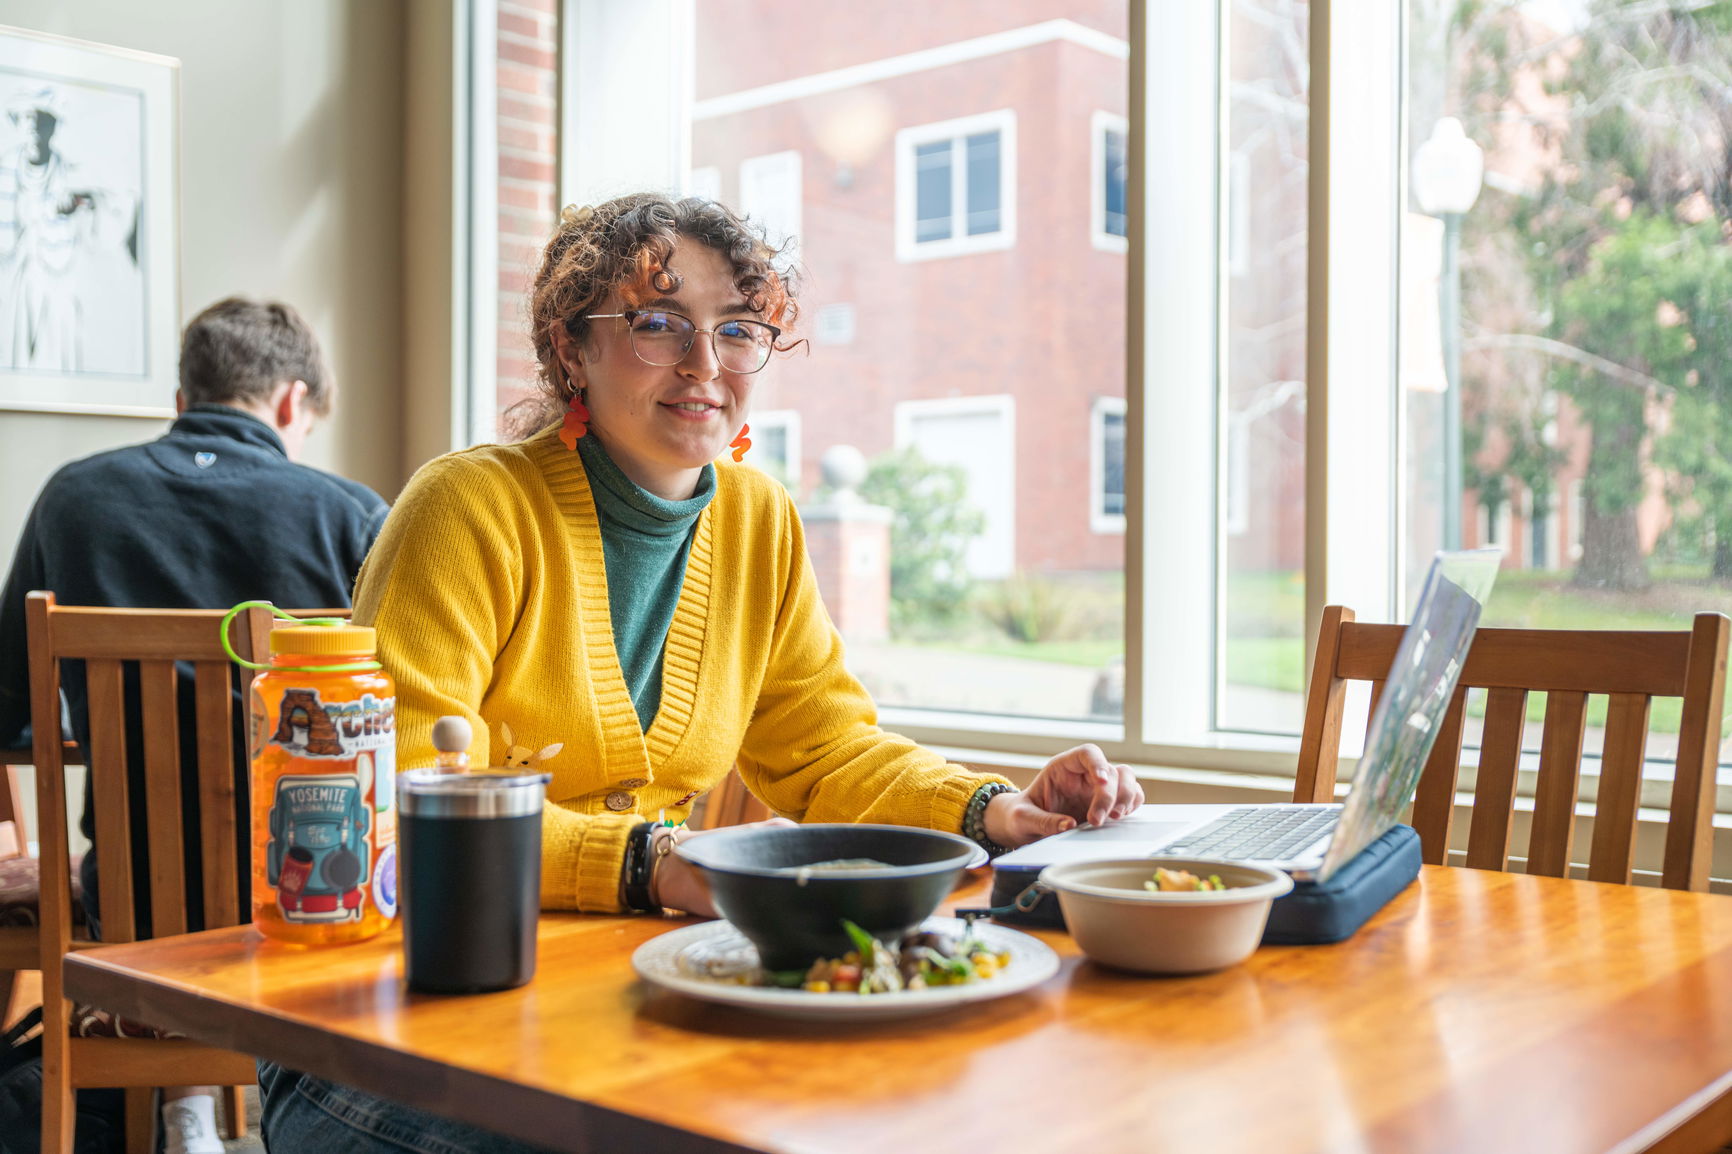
<point>656,961</point>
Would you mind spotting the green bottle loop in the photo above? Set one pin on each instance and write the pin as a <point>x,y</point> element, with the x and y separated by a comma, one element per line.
<point>355,667</point>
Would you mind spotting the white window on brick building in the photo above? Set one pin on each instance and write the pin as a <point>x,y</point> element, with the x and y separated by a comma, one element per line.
<point>1110,164</point>
<point>1107,465</point>
<point>956,186</point>
<point>707,182</point>
<point>770,194</point>
<point>775,447</point>
<point>978,434</point>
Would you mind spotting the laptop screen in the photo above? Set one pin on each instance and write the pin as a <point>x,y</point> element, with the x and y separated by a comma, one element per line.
<point>1416,696</point>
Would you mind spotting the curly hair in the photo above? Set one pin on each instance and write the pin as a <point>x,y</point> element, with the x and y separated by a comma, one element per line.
<point>625,244</point>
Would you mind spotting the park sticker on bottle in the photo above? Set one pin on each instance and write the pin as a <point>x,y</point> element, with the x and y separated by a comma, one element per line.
<point>333,807</point>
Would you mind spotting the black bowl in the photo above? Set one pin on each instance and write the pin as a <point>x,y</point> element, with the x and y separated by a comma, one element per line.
<point>755,880</point>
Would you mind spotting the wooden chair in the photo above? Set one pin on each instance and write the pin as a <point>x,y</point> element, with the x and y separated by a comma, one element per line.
<point>731,803</point>
<point>105,639</point>
<point>1567,665</point>
<point>20,887</point>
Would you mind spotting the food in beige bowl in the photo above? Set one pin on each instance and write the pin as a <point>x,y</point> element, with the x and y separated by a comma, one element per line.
<point>1118,921</point>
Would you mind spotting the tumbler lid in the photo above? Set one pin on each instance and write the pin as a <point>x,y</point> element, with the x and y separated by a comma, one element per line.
<point>436,793</point>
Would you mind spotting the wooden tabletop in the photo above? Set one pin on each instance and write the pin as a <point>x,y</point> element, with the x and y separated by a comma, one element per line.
<point>1478,1012</point>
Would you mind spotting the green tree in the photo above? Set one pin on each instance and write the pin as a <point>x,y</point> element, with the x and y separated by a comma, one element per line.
<point>1632,113</point>
<point>934,523</point>
<point>1696,450</point>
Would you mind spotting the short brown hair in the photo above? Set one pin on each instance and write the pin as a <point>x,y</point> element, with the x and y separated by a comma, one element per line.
<point>625,244</point>
<point>239,349</point>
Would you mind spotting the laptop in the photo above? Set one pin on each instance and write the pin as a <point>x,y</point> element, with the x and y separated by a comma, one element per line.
<point>1311,842</point>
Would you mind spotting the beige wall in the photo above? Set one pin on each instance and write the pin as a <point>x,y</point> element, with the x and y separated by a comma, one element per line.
<point>292,126</point>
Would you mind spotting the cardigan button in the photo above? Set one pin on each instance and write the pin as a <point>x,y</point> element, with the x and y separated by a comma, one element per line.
<point>619,801</point>
<point>634,783</point>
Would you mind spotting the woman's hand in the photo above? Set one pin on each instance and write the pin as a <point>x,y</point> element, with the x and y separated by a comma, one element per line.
<point>1078,785</point>
<point>676,883</point>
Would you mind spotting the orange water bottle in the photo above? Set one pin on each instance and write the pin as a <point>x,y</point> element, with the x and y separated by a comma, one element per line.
<point>323,742</point>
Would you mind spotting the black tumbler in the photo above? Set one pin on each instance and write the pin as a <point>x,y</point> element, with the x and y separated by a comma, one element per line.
<point>471,878</point>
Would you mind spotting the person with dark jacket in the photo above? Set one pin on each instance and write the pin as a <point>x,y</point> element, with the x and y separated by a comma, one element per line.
<point>215,512</point>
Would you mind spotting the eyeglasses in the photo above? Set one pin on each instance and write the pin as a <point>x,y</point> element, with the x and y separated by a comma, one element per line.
<point>661,338</point>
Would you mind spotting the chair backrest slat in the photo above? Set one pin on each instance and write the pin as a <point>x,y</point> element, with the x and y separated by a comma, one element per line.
<point>1499,760</point>
<point>1325,706</point>
<point>159,698</point>
<point>1434,799</point>
<point>1584,661</point>
<point>105,761</point>
<point>214,705</point>
<point>137,634</point>
<point>1690,839</point>
<point>1615,809</point>
<point>1552,834</point>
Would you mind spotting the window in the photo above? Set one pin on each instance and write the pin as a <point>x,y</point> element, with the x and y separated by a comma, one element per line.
<point>775,448</point>
<point>770,194</point>
<point>1110,169</point>
<point>707,182</point>
<point>956,186</point>
<point>1107,465</point>
<point>976,437</point>
<point>1276,393</point>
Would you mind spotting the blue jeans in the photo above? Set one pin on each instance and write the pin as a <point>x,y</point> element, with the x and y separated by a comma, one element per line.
<point>299,1112</point>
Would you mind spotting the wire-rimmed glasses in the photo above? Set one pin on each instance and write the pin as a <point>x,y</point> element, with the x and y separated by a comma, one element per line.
<point>663,338</point>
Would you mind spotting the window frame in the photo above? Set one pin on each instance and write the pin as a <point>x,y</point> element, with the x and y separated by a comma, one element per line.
<point>788,421</point>
<point>786,226</point>
<point>1101,123</point>
<point>1001,405</point>
<point>1101,408</point>
<point>909,249</point>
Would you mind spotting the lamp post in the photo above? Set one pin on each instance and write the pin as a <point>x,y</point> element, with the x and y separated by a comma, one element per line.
<point>1447,171</point>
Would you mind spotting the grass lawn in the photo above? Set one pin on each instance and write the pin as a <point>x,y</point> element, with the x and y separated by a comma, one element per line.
<point>1266,611</point>
<point>1523,599</point>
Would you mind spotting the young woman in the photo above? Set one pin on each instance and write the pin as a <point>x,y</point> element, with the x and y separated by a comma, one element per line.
<point>638,609</point>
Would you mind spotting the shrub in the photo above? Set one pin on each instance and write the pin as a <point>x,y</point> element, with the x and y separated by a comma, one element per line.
<point>934,523</point>
<point>1028,607</point>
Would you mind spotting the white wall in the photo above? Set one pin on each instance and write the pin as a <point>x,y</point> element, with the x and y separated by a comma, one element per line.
<point>292,124</point>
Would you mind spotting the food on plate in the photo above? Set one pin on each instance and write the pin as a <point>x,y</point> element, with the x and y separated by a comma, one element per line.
<point>922,959</point>
<point>1181,881</point>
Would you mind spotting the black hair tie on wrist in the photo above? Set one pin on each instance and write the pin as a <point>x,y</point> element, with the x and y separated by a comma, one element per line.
<point>639,865</point>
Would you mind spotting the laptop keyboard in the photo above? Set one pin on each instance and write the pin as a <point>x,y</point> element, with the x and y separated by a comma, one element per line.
<point>1258,833</point>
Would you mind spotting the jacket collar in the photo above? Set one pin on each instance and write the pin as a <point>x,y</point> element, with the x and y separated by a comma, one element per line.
<point>227,421</point>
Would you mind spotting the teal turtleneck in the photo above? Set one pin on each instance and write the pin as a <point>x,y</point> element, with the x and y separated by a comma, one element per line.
<point>644,541</point>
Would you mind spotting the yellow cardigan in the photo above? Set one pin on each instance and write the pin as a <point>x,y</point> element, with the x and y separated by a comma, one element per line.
<point>489,592</point>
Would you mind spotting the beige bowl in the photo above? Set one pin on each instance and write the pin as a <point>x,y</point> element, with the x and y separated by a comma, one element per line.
<point>1118,923</point>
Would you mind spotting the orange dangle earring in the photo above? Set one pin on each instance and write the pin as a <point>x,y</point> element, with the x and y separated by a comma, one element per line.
<point>576,421</point>
<point>741,443</point>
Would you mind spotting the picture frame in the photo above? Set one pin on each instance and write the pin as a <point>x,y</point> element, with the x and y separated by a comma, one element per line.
<point>89,227</point>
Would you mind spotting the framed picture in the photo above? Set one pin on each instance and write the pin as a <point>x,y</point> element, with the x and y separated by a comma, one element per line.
<point>89,212</point>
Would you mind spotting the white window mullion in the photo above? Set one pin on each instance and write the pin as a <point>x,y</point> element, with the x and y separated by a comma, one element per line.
<point>1353,496</point>
<point>1171,381</point>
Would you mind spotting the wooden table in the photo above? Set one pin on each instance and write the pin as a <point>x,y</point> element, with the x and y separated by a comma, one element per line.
<point>1478,1012</point>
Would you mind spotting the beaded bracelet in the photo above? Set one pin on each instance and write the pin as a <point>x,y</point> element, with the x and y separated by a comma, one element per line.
<point>974,817</point>
<point>639,866</point>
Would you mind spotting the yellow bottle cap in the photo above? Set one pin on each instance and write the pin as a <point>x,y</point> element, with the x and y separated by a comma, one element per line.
<point>324,640</point>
